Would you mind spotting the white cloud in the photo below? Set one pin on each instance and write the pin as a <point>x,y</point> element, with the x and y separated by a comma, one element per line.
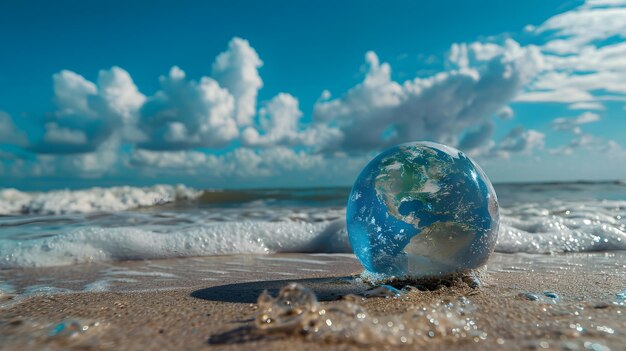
<point>585,56</point>
<point>581,65</point>
<point>114,97</point>
<point>474,139</point>
<point>87,114</point>
<point>586,106</point>
<point>565,95</point>
<point>278,120</point>
<point>254,165</point>
<point>94,120</point>
<point>589,23</point>
<point>519,140</point>
<point>85,165</point>
<point>437,108</point>
<point>236,69</point>
<point>573,124</point>
<point>614,149</point>
<point>376,93</point>
<point>71,92</point>
<point>506,113</point>
<point>119,94</point>
<point>176,160</point>
<point>280,125</point>
<point>92,164</point>
<point>186,114</point>
<point>579,141</point>
<point>9,134</point>
<point>59,135</point>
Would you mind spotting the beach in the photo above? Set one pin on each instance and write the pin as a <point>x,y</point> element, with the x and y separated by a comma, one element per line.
<point>308,176</point>
<point>210,302</point>
<point>171,267</point>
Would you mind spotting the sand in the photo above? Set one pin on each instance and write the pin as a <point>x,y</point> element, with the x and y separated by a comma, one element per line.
<point>167,305</point>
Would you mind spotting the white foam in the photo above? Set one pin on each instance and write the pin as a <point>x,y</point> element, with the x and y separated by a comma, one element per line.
<point>549,227</point>
<point>104,284</point>
<point>13,201</point>
<point>117,272</point>
<point>127,243</point>
<point>292,260</point>
<point>558,226</point>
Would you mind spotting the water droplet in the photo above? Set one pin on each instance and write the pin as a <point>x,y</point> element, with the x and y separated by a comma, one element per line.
<point>529,296</point>
<point>594,346</point>
<point>551,294</point>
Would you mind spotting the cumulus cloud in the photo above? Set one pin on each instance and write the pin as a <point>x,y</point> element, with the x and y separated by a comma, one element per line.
<point>71,93</point>
<point>581,65</point>
<point>280,125</point>
<point>9,134</point>
<point>93,164</point>
<point>437,108</point>
<point>236,69</point>
<point>186,114</point>
<point>474,139</point>
<point>506,113</point>
<point>519,140</point>
<point>580,140</point>
<point>93,120</point>
<point>278,120</point>
<point>118,95</point>
<point>88,114</point>
<point>101,161</point>
<point>256,165</point>
<point>59,135</point>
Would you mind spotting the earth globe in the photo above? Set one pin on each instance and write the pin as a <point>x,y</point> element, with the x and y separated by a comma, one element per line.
<point>422,209</point>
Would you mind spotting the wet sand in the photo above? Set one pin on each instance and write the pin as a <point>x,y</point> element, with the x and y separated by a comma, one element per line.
<point>210,303</point>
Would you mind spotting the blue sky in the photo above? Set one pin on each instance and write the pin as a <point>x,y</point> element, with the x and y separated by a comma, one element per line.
<point>295,94</point>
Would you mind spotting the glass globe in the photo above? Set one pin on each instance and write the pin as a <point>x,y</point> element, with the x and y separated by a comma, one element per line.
<point>422,209</point>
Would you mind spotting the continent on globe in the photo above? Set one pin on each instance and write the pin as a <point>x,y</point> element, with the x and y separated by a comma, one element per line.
<point>422,209</point>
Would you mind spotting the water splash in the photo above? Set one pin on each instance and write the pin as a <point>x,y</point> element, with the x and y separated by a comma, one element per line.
<point>296,311</point>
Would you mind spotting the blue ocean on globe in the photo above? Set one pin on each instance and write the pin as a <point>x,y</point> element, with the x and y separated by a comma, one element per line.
<point>422,209</point>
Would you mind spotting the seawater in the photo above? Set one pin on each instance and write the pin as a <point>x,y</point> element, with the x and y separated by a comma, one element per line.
<point>63,227</point>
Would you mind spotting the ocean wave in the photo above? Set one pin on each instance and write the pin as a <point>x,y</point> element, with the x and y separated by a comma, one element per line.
<point>59,227</point>
<point>129,243</point>
<point>121,198</point>
<point>563,226</point>
<point>551,227</point>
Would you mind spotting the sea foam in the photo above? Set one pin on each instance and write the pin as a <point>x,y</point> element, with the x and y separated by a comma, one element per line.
<point>195,228</point>
<point>559,226</point>
<point>13,201</point>
<point>129,243</point>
